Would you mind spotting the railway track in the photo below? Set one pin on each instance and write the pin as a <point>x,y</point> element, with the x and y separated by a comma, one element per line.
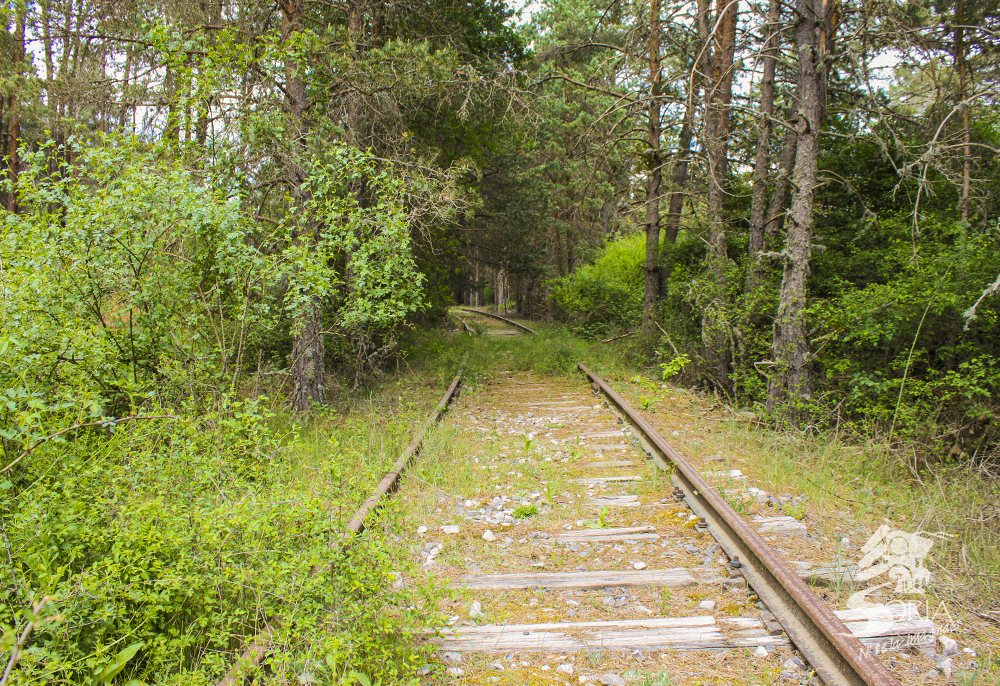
<point>576,545</point>
<point>491,324</point>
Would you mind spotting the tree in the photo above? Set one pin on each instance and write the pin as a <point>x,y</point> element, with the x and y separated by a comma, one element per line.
<point>816,24</point>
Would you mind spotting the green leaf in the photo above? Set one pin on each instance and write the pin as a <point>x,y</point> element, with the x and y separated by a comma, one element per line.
<point>121,660</point>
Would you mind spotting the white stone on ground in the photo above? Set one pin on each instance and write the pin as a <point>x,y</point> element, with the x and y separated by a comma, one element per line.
<point>450,528</point>
<point>565,669</point>
<point>489,536</point>
<point>476,610</point>
<point>949,646</point>
<point>759,652</point>
<point>421,530</point>
<point>706,605</point>
<point>639,565</point>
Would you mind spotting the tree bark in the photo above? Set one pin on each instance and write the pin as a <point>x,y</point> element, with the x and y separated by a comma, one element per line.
<point>718,64</point>
<point>651,285</point>
<point>308,352</point>
<point>762,161</point>
<point>790,346</point>
<point>962,68</point>
<point>680,175</point>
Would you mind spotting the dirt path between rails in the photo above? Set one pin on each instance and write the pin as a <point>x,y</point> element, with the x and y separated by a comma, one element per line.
<point>564,560</point>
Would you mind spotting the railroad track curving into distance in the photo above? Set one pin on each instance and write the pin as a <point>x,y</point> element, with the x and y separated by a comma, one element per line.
<point>566,595</point>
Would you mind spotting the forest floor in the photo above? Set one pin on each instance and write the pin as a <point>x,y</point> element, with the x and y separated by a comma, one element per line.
<point>527,467</point>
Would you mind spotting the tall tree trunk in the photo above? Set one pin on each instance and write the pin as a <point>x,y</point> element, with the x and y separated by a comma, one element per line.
<point>651,285</point>
<point>962,68</point>
<point>720,53</point>
<point>681,163</point>
<point>790,346</point>
<point>762,161</point>
<point>13,114</point>
<point>308,352</point>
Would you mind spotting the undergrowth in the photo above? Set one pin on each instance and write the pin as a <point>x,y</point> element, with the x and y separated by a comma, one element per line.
<point>163,549</point>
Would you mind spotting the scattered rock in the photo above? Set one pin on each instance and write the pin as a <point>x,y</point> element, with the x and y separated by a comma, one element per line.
<point>450,528</point>
<point>611,679</point>
<point>489,536</point>
<point>421,530</point>
<point>454,671</point>
<point>949,646</point>
<point>565,668</point>
<point>496,666</point>
<point>969,651</point>
<point>639,565</point>
<point>706,605</point>
<point>643,609</point>
<point>425,670</point>
<point>927,676</point>
<point>945,665</point>
<point>476,610</point>
<point>789,675</point>
<point>452,657</point>
<point>760,652</point>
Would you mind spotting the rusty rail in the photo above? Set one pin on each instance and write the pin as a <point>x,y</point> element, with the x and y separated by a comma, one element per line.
<point>837,656</point>
<point>389,481</point>
<point>503,319</point>
<point>257,651</point>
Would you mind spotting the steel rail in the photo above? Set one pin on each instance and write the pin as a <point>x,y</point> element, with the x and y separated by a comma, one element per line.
<point>391,479</point>
<point>465,326</point>
<point>257,651</point>
<point>838,657</point>
<point>503,319</point>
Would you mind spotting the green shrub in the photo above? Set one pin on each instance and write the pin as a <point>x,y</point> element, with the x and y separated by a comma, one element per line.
<point>183,538</point>
<point>606,295</point>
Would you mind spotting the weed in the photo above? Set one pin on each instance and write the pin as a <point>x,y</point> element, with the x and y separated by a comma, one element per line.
<point>529,443</point>
<point>595,657</point>
<point>649,678</point>
<point>797,511</point>
<point>602,520</point>
<point>525,511</point>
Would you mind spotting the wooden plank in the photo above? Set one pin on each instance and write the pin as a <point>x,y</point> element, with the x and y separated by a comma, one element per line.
<point>699,621</point>
<point>570,538</point>
<point>558,642</point>
<point>644,529</point>
<point>663,633</point>
<point>678,577</point>
<point>811,571</point>
<point>592,480</point>
<point>607,463</point>
<point>615,501</point>
<point>783,526</point>
<point>541,403</point>
<point>563,408</point>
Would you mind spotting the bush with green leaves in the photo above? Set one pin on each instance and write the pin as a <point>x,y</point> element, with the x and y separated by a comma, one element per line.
<point>174,543</point>
<point>605,296</point>
<point>155,508</point>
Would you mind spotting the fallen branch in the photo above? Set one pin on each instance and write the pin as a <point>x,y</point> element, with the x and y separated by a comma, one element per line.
<point>615,338</point>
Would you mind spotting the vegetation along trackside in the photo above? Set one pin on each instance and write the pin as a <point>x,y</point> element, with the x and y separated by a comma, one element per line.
<point>246,246</point>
